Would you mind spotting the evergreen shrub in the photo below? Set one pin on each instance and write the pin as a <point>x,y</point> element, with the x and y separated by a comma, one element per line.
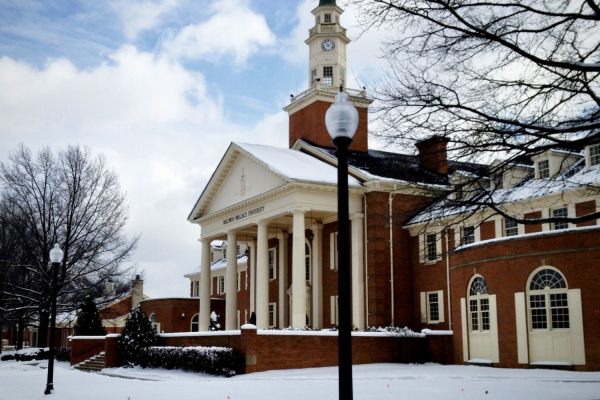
<point>138,333</point>
<point>222,361</point>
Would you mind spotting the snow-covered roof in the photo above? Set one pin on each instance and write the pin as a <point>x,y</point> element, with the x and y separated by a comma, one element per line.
<point>295,165</point>
<point>220,264</point>
<point>573,178</point>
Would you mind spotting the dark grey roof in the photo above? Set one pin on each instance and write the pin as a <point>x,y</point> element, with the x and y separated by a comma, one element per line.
<point>327,3</point>
<point>403,167</point>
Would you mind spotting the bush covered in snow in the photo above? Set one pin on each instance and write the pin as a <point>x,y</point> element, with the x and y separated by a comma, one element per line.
<point>210,360</point>
<point>137,334</point>
<point>60,354</point>
<point>406,332</point>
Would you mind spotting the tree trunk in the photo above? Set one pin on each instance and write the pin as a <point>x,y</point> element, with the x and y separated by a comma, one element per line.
<point>1,334</point>
<point>20,330</point>
<point>43,329</point>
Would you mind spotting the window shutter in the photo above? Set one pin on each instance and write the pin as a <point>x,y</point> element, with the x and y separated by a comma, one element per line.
<point>494,329</point>
<point>422,248</point>
<point>423,307</point>
<point>576,321</point>
<point>523,355</point>
<point>332,251</point>
<point>438,246</point>
<point>465,332</point>
<point>441,304</point>
<point>332,309</point>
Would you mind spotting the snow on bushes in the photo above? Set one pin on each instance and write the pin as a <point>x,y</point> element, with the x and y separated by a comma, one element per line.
<point>60,354</point>
<point>210,360</point>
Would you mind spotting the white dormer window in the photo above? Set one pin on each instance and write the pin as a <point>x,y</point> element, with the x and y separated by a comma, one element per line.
<point>468,235</point>
<point>510,227</point>
<point>543,169</point>
<point>594,152</point>
<point>560,212</point>
<point>327,18</point>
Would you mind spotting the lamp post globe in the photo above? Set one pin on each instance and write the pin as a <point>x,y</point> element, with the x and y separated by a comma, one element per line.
<point>56,254</point>
<point>56,257</point>
<point>341,120</point>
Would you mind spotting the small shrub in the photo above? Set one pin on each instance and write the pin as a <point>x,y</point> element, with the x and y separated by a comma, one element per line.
<point>222,361</point>
<point>62,354</point>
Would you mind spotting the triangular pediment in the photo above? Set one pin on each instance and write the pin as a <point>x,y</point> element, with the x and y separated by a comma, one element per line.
<point>240,176</point>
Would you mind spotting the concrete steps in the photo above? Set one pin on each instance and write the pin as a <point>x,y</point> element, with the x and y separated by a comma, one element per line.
<point>94,364</point>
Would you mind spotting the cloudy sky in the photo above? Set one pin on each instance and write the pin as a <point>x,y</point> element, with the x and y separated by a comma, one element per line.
<point>160,87</point>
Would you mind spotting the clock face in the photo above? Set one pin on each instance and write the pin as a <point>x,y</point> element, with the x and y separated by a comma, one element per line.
<point>328,45</point>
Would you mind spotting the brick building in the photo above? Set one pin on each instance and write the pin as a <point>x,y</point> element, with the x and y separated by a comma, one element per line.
<point>513,294</point>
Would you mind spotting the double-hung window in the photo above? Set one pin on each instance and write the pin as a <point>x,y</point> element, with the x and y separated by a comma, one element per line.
<point>560,212</point>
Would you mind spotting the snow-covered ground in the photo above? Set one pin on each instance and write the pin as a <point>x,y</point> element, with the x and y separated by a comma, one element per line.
<point>26,381</point>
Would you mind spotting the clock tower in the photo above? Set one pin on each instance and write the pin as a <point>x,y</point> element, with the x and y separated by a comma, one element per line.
<point>327,43</point>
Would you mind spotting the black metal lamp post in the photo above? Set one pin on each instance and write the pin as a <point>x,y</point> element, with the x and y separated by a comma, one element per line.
<point>56,256</point>
<point>341,120</point>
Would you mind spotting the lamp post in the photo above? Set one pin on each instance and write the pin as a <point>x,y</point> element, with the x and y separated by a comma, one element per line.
<point>56,256</point>
<point>341,120</point>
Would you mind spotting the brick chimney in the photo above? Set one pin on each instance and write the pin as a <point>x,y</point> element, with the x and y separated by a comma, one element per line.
<point>137,291</point>
<point>433,154</point>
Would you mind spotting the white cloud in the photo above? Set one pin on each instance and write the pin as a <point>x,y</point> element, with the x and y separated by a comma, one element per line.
<point>160,129</point>
<point>233,29</point>
<point>139,15</point>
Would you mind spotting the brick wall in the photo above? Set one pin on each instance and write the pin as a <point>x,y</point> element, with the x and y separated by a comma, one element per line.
<point>287,351</point>
<point>506,267</point>
<point>83,348</point>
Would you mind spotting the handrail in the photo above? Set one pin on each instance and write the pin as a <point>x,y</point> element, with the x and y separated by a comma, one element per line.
<point>326,28</point>
<point>330,89</point>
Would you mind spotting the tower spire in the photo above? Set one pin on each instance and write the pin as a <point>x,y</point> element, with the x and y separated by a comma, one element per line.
<point>327,3</point>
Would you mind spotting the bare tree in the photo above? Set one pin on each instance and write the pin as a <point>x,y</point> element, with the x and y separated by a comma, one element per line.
<point>502,80</point>
<point>74,200</point>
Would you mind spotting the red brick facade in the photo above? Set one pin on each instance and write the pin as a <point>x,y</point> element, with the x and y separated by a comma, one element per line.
<point>309,123</point>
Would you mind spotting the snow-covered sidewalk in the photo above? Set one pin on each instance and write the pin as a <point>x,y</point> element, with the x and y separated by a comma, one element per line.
<point>24,381</point>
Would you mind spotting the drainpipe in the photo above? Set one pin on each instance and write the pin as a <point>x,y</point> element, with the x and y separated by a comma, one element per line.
<point>391,198</point>
<point>448,279</point>
<point>366,250</point>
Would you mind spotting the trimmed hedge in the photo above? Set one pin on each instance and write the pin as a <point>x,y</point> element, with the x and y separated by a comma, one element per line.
<point>209,360</point>
<point>60,354</point>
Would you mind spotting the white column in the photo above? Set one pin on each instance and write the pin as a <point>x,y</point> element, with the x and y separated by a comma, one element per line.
<point>205,282</point>
<point>283,279</point>
<point>262,277</point>
<point>358,277</point>
<point>252,275</point>
<point>317,275</point>
<point>231,283</point>
<point>298,272</point>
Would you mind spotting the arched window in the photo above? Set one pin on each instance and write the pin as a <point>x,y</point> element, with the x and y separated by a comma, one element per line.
<point>195,323</point>
<point>548,304</point>
<point>479,305</point>
<point>307,262</point>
